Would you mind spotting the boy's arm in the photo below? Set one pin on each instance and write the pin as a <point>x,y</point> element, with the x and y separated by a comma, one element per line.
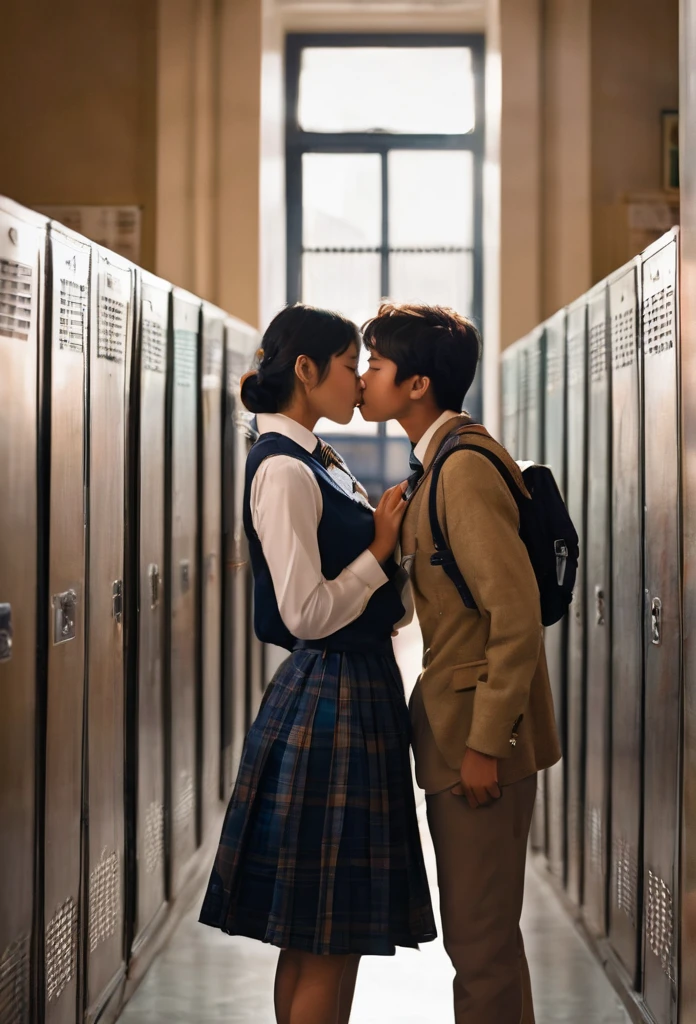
<point>481,522</point>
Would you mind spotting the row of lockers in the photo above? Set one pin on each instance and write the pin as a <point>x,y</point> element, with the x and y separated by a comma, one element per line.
<point>128,668</point>
<point>594,393</point>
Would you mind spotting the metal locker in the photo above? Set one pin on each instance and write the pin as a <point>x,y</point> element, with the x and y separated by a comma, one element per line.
<point>510,386</point>
<point>576,497</point>
<point>240,342</point>
<point>210,605</point>
<point>150,416</point>
<point>597,615</point>
<point>66,351</point>
<point>627,620</point>
<point>181,573</point>
<point>662,740</point>
<point>531,449</point>
<point>110,353</point>
<point>556,636</point>
<point>22,243</point>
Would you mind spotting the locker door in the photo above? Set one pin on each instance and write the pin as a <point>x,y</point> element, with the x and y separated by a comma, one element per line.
<point>511,399</point>
<point>533,420</point>
<point>663,646</point>
<point>627,620</point>
<point>22,237</point>
<point>555,637</point>
<point>67,346</point>
<point>576,476</point>
<point>238,624</point>
<point>523,391</point>
<point>210,420</point>
<point>597,616</point>
<point>151,398</point>
<point>110,350</point>
<point>182,570</point>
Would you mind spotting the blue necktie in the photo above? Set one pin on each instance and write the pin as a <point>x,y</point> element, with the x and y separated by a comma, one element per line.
<point>416,467</point>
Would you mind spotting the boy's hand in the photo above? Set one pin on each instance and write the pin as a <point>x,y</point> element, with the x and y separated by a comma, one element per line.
<point>479,775</point>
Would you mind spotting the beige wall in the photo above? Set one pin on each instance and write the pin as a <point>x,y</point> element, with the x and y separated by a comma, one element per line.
<point>78,87</point>
<point>635,76</point>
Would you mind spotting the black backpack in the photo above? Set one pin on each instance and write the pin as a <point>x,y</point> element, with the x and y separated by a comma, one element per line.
<point>545,527</point>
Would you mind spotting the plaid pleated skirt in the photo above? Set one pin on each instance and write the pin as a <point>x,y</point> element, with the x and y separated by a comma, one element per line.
<point>320,849</point>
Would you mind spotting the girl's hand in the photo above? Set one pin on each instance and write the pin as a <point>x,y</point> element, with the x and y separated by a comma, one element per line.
<point>388,515</point>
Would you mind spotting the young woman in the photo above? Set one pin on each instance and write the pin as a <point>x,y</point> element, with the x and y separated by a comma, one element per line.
<point>320,852</point>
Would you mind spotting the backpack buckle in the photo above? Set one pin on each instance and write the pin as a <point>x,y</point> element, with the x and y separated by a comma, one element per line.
<point>561,549</point>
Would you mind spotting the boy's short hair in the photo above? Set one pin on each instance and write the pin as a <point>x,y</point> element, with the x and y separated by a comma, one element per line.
<point>427,341</point>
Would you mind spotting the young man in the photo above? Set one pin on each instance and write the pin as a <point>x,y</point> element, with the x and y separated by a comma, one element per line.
<point>482,711</point>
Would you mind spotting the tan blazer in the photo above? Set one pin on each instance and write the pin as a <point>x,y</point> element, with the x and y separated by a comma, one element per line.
<point>484,683</point>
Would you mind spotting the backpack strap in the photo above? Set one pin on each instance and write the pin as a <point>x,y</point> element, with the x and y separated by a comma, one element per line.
<point>443,555</point>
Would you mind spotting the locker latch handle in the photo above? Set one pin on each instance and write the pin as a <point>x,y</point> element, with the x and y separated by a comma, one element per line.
<point>561,549</point>
<point>117,600</point>
<point>5,632</point>
<point>154,577</point>
<point>185,574</point>
<point>656,621</point>
<point>64,616</point>
<point>601,606</point>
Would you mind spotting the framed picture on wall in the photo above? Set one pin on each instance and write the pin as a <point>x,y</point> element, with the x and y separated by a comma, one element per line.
<point>670,150</point>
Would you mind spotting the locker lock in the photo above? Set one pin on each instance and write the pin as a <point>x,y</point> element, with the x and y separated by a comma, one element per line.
<point>64,616</point>
<point>601,606</point>
<point>5,632</point>
<point>117,600</point>
<point>154,578</point>
<point>656,621</point>
<point>561,549</point>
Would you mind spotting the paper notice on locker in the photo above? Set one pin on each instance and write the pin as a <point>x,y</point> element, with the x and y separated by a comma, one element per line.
<point>154,342</point>
<point>115,227</point>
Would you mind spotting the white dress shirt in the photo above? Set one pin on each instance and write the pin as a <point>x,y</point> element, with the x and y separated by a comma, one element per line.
<point>422,447</point>
<point>286,508</point>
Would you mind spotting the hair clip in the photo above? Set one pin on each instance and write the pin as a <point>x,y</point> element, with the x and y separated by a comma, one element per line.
<point>259,354</point>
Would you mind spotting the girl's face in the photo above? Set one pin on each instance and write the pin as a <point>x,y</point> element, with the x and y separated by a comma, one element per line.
<point>337,395</point>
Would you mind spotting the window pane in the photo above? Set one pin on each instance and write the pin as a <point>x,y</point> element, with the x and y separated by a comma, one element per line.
<point>431,198</point>
<point>350,284</point>
<point>443,279</point>
<point>346,282</point>
<point>392,89</point>
<point>341,200</point>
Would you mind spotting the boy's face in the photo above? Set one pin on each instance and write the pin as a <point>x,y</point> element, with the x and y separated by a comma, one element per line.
<point>382,398</point>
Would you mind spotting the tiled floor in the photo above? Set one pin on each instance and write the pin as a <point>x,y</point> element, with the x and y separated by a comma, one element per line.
<point>204,976</point>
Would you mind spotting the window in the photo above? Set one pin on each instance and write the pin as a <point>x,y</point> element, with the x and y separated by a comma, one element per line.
<point>384,165</point>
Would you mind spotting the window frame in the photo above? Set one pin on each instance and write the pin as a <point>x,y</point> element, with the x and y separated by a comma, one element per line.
<point>298,142</point>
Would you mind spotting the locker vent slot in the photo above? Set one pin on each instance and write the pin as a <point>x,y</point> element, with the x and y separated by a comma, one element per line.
<point>183,812</point>
<point>14,983</point>
<point>61,949</point>
<point>625,879</point>
<point>554,368</point>
<point>104,899</point>
<point>658,322</point>
<point>212,369</point>
<point>533,367</point>
<point>510,397</point>
<point>73,316</point>
<point>623,338</point>
<point>16,287</point>
<point>185,358</point>
<point>112,318</point>
<point>660,923</point>
<point>576,359</point>
<point>154,346</point>
<point>154,837</point>
<point>523,382</point>
<point>598,352</point>
<point>595,832</point>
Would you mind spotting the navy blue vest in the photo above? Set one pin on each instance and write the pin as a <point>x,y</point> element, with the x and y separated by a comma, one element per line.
<point>345,530</point>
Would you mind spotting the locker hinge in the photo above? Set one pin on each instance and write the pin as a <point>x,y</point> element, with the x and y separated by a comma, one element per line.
<point>117,600</point>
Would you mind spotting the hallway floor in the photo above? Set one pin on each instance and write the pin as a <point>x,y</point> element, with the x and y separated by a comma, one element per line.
<point>205,977</point>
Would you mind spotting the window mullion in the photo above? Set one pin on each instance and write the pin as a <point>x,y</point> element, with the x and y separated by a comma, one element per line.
<point>384,286</point>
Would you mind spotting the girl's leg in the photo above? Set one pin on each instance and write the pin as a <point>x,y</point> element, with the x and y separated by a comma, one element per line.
<point>350,976</point>
<point>308,988</point>
<point>287,974</point>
